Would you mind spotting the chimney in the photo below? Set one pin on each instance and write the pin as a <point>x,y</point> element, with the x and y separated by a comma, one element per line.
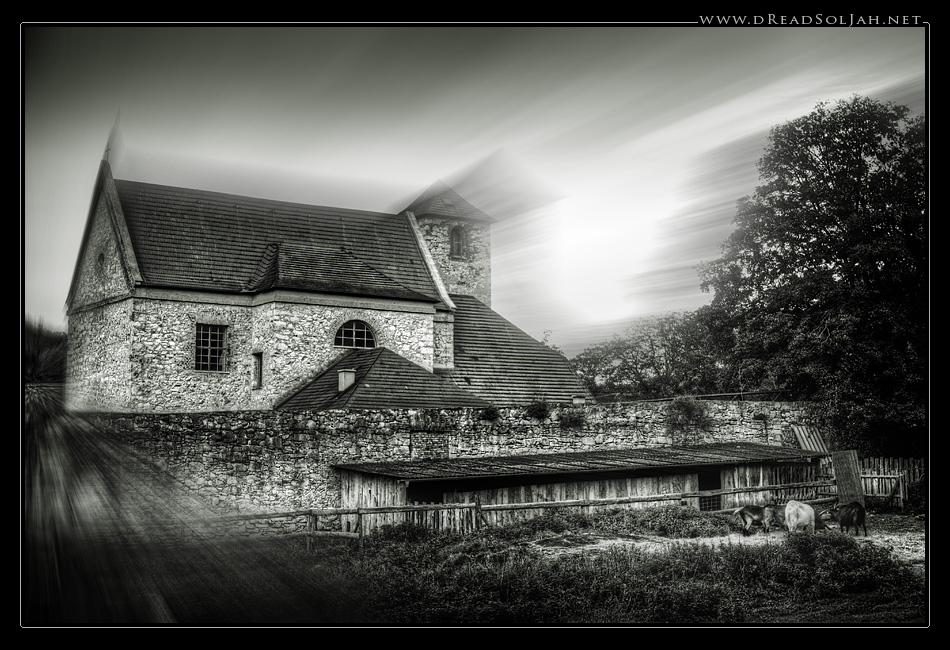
<point>347,377</point>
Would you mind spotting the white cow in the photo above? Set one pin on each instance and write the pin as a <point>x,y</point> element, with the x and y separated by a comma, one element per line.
<point>801,516</point>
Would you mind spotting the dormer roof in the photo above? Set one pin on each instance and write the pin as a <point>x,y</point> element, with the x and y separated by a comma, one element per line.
<point>383,380</point>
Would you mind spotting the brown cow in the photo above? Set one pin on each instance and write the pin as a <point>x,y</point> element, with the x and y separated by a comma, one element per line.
<point>768,516</point>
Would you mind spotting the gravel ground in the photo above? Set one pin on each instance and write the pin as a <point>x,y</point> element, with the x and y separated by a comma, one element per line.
<point>904,534</point>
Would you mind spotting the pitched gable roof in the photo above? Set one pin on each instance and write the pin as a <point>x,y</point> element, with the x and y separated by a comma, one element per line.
<point>383,380</point>
<point>194,239</point>
<point>502,364</point>
<point>440,200</point>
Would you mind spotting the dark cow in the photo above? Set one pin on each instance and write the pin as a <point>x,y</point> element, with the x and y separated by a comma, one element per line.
<point>847,516</point>
<point>767,516</point>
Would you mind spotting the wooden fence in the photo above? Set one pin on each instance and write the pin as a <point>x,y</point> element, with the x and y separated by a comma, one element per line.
<point>881,477</point>
<point>467,517</point>
<point>891,478</point>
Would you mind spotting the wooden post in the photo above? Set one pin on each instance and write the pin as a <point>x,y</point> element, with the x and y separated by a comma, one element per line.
<point>479,515</point>
<point>310,527</point>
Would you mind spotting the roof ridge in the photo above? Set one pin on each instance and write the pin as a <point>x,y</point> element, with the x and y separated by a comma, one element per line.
<point>178,189</point>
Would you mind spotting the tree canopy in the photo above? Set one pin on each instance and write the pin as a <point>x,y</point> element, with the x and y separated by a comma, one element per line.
<point>655,357</point>
<point>823,285</point>
<point>43,353</point>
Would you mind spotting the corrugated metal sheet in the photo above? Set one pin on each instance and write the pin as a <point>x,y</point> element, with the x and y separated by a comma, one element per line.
<point>582,462</point>
<point>809,438</point>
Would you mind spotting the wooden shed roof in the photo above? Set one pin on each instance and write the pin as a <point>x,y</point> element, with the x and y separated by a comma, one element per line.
<point>727,453</point>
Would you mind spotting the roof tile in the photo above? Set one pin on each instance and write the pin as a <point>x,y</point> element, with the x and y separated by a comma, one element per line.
<point>384,380</point>
<point>504,365</point>
<point>194,239</point>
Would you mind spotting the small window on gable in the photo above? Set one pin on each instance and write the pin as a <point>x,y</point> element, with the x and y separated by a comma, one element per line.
<point>211,347</point>
<point>355,334</point>
<point>457,242</point>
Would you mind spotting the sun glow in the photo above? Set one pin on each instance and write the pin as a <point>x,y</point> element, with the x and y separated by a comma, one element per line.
<point>602,244</point>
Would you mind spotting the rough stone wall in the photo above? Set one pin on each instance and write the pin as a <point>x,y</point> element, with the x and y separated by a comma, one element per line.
<point>443,341</point>
<point>98,373</point>
<point>140,355</point>
<point>273,461</point>
<point>297,342</point>
<point>471,275</point>
<point>101,275</point>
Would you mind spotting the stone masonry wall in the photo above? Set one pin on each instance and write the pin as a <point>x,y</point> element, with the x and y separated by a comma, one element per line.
<point>274,461</point>
<point>469,275</point>
<point>100,275</point>
<point>138,355</point>
<point>97,358</point>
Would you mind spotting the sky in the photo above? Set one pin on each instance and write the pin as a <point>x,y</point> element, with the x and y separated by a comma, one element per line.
<point>612,155</point>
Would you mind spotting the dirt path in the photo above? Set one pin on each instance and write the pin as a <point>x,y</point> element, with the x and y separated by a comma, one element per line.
<point>905,535</point>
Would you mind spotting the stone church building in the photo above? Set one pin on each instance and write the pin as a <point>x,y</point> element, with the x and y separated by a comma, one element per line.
<point>187,300</point>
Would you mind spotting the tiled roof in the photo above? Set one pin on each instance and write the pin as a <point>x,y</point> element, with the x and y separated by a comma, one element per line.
<point>193,239</point>
<point>504,365</point>
<point>318,268</point>
<point>440,200</point>
<point>727,453</point>
<point>383,380</point>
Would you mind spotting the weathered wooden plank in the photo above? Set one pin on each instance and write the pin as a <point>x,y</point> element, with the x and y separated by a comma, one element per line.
<point>848,476</point>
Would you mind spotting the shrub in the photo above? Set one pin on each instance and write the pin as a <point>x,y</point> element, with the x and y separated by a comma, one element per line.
<point>669,521</point>
<point>407,575</point>
<point>539,410</point>
<point>683,412</point>
<point>490,413</point>
<point>572,419</point>
<point>917,497</point>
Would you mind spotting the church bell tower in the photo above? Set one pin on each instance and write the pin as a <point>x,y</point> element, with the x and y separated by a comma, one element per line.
<point>458,236</point>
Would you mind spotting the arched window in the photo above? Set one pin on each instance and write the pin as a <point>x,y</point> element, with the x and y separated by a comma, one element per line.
<point>457,242</point>
<point>355,334</point>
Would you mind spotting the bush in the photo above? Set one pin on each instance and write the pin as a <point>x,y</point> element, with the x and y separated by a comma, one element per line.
<point>683,412</point>
<point>490,413</point>
<point>917,498</point>
<point>572,419</point>
<point>539,410</point>
<point>669,521</point>
<point>409,575</point>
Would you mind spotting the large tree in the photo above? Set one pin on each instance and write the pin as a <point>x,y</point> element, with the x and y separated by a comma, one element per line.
<point>42,354</point>
<point>655,357</point>
<point>824,282</point>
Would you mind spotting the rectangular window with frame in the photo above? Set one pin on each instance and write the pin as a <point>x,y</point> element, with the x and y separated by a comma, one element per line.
<point>211,347</point>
